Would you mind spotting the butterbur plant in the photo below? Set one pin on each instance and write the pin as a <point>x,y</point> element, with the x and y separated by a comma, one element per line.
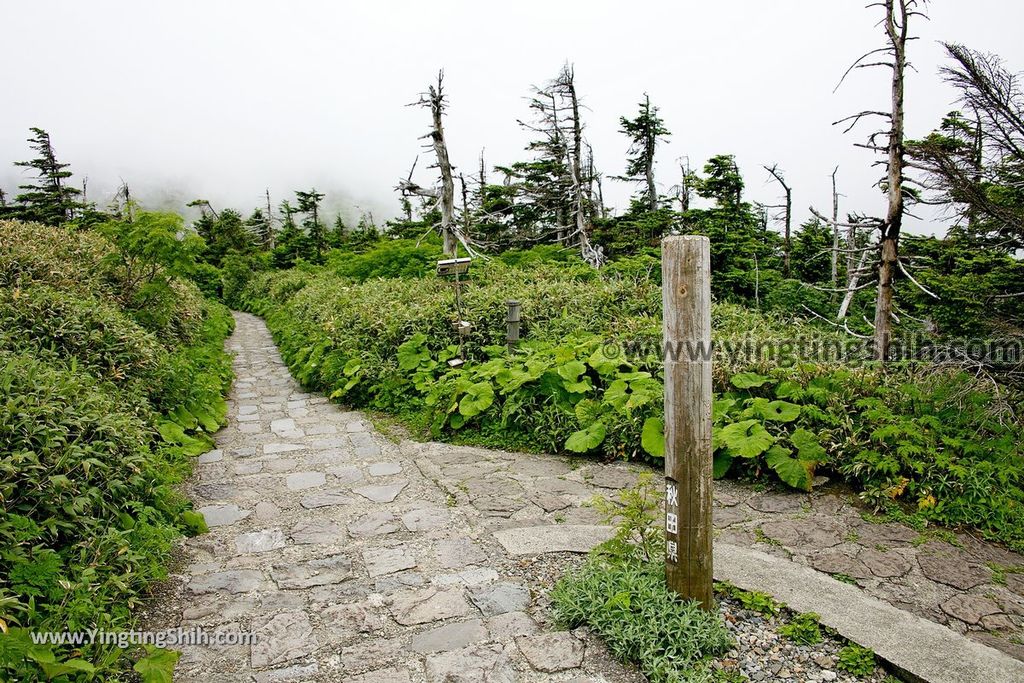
<point>757,421</point>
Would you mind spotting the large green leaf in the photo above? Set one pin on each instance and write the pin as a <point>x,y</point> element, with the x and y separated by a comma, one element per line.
<point>586,439</point>
<point>157,666</point>
<point>52,667</point>
<point>797,474</point>
<point>652,438</point>
<point>572,370</point>
<point>778,411</point>
<point>807,445</point>
<point>720,408</point>
<point>478,398</point>
<point>747,380</point>
<point>721,463</point>
<point>413,352</point>
<point>746,439</point>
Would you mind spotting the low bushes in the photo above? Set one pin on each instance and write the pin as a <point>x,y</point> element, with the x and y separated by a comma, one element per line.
<point>102,406</point>
<point>621,595</point>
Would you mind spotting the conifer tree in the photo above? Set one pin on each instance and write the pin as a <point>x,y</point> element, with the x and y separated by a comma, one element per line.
<point>644,133</point>
<point>309,204</point>
<point>51,199</point>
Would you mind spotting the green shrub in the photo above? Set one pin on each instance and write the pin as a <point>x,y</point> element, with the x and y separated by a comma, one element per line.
<point>236,273</point>
<point>621,595</point>
<point>394,258</point>
<point>631,608</point>
<point>207,278</point>
<point>104,399</point>
<point>97,334</point>
<point>803,629</point>
<point>856,660</point>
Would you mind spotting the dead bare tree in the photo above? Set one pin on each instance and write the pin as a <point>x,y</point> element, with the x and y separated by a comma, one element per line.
<point>565,86</point>
<point>787,214</point>
<point>684,190</point>
<point>434,99</point>
<point>270,234</point>
<point>896,25</point>
<point>835,232</point>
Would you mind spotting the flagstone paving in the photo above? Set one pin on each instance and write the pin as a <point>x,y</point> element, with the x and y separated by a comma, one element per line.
<point>353,558</point>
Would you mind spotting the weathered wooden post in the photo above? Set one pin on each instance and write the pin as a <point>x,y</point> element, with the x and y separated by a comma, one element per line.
<point>512,321</point>
<point>686,298</point>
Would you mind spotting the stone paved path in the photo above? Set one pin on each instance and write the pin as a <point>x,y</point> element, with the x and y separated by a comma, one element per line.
<point>350,561</point>
<point>361,560</point>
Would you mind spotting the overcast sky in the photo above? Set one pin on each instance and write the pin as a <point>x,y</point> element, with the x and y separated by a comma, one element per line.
<point>222,99</point>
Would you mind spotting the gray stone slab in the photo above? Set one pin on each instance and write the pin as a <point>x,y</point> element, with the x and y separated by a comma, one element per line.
<point>319,572</point>
<point>426,519</point>
<point>284,637</point>
<point>259,541</point>
<point>920,647</point>
<point>552,652</point>
<point>216,455</point>
<point>553,538</point>
<point>449,637</point>
<point>384,469</point>
<point>325,499</point>
<point>352,617</point>
<point>240,581</point>
<point>295,672</point>
<point>346,474</point>
<point>474,576</point>
<point>500,598</point>
<point>305,480</point>
<point>381,561</point>
<point>381,493</point>
<point>222,515</point>
<point>391,674</point>
<point>424,605</point>
<point>273,448</point>
<point>455,553</point>
<point>317,531</point>
<point>473,664</point>
<point>266,511</point>
<point>511,625</point>
<point>374,524</point>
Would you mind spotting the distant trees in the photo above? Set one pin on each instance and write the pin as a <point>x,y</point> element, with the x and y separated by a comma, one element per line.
<point>223,232</point>
<point>309,204</point>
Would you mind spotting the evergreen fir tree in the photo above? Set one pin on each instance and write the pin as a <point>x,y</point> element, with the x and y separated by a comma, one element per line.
<point>644,133</point>
<point>51,199</point>
<point>309,204</point>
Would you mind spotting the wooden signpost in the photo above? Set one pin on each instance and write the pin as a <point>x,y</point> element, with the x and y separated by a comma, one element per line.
<point>456,267</point>
<point>686,300</point>
<point>512,322</point>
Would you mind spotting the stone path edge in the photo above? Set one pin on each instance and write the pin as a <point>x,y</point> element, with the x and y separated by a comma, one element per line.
<point>923,649</point>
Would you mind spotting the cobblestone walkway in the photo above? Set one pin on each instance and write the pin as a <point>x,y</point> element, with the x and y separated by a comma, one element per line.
<point>356,559</point>
<point>350,562</point>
